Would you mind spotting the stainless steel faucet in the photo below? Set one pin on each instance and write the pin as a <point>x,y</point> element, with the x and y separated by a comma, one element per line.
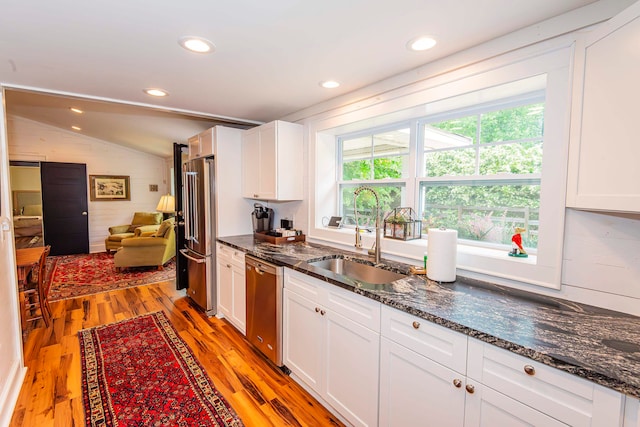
<point>375,250</point>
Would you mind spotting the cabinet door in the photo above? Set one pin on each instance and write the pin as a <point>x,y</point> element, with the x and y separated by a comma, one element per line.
<point>194,146</point>
<point>269,166</point>
<point>351,363</point>
<point>632,412</point>
<point>225,285</point>
<point>207,143</point>
<point>239,298</point>
<point>417,391</point>
<point>486,407</point>
<point>251,159</point>
<point>303,338</point>
<point>603,168</point>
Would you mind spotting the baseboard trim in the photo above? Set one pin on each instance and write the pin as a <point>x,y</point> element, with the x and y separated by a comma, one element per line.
<point>10,392</point>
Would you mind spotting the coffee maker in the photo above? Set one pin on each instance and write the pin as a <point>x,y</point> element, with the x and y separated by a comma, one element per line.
<point>262,218</point>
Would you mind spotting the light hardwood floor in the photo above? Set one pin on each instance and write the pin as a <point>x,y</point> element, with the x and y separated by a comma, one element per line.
<point>52,394</point>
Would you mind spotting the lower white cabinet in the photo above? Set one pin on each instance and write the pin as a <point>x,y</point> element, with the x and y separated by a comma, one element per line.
<point>416,391</point>
<point>423,376</point>
<point>231,289</point>
<point>560,395</point>
<point>486,407</point>
<point>632,412</point>
<point>329,345</point>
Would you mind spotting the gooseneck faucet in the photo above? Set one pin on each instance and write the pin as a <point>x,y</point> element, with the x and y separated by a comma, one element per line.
<point>376,246</point>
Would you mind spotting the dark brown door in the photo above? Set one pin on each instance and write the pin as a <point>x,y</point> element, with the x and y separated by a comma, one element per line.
<point>64,207</point>
<point>182,265</point>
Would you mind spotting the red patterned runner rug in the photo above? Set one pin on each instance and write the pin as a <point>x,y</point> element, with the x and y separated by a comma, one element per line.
<point>139,372</point>
<point>72,276</point>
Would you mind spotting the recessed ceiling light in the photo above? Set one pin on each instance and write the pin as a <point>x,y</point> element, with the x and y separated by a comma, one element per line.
<point>76,128</point>
<point>421,43</point>
<point>76,110</point>
<point>329,84</point>
<point>156,92</point>
<point>196,44</point>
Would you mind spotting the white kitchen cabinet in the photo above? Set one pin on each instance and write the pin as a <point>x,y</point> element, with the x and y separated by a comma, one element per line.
<point>562,396</point>
<point>272,162</point>
<point>486,407</point>
<point>428,369</point>
<point>329,345</point>
<point>231,290</point>
<point>232,210</point>
<point>604,149</point>
<point>202,144</point>
<point>415,389</point>
<point>632,412</point>
<point>422,372</point>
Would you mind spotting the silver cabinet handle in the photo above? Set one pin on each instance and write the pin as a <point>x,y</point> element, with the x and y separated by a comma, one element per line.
<point>85,213</point>
<point>186,255</point>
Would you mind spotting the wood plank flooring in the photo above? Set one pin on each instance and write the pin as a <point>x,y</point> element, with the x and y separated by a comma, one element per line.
<point>51,394</point>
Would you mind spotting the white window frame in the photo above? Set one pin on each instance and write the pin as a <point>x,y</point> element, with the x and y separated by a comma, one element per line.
<point>408,181</point>
<point>508,179</point>
<point>543,269</point>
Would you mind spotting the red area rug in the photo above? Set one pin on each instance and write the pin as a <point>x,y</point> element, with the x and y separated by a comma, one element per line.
<point>72,276</point>
<point>139,372</point>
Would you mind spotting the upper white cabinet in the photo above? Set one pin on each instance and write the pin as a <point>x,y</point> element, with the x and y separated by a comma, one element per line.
<point>272,159</point>
<point>202,144</point>
<point>604,150</point>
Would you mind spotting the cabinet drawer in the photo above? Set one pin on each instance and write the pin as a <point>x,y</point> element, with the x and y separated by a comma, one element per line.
<point>354,307</point>
<point>438,343</point>
<point>357,308</point>
<point>565,397</point>
<point>304,286</point>
<point>232,255</point>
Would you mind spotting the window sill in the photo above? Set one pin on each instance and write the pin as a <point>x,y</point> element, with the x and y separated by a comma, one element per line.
<point>489,262</point>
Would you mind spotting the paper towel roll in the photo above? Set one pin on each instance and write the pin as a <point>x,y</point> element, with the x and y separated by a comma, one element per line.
<point>441,254</point>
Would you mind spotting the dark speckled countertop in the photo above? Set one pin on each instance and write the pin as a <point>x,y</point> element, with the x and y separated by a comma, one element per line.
<point>593,343</point>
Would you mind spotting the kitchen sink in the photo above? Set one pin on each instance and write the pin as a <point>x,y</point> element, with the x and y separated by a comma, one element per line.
<point>357,271</point>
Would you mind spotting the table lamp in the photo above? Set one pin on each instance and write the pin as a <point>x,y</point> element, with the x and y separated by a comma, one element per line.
<point>167,205</point>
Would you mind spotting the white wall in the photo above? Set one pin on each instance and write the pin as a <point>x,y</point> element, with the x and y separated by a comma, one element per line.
<point>29,140</point>
<point>601,252</point>
<point>602,259</point>
<point>12,369</point>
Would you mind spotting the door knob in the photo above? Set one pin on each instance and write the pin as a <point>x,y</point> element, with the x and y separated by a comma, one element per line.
<point>84,213</point>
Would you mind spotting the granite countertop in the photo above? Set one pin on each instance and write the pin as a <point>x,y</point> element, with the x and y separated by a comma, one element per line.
<point>593,343</point>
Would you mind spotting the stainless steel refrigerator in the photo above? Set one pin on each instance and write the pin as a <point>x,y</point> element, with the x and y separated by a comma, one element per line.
<point>198,192</point>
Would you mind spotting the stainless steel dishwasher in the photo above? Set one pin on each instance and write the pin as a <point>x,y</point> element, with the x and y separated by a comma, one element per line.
<point>264,307</point>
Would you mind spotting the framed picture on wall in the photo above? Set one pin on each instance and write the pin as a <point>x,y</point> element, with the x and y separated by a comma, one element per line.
<point>109,187</point>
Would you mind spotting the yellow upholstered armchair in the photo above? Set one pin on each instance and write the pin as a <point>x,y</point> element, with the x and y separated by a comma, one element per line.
<point>141,222</point>
<point>149,248</point>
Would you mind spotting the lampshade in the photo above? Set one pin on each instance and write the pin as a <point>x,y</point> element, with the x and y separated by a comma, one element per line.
<point>166,204</point>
